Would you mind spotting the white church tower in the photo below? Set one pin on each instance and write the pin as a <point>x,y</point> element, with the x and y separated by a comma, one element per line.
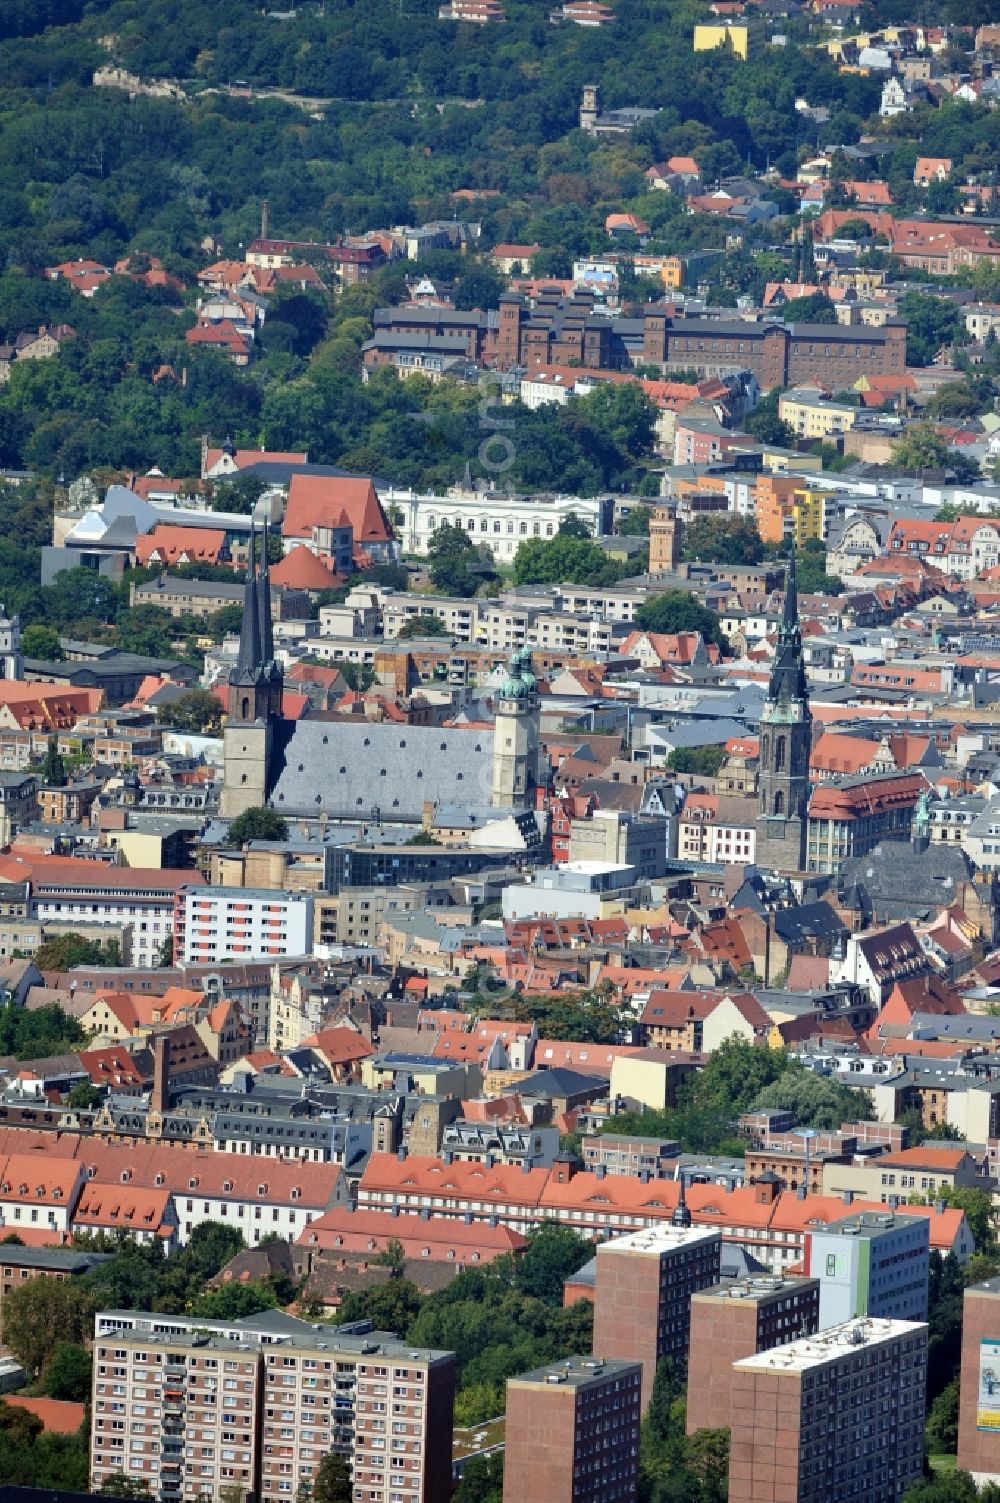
<point>515,736</point>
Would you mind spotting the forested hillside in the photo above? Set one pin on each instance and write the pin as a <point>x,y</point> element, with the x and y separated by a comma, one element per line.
<point>404,112</point>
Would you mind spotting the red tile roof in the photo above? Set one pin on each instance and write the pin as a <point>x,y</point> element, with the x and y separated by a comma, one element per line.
<point>302,570</point>
<point>339,1046</point>
<point>180,545</point>
<point>58,1416</point>
<point>321,501</point>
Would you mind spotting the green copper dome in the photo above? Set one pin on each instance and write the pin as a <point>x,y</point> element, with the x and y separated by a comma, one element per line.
<point>520,680</point>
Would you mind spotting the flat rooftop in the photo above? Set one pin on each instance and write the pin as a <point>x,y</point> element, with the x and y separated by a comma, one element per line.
<point>578,1372</point>
<point>872,1224</point>
<point>246,1336</point>
<point>653,1241</point>
<point>758,1290</point>
<point>830,1345</point>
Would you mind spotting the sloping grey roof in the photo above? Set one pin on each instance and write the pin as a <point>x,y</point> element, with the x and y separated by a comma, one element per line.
<point>344,770</point>
<point>903,882</point>
<point>808,921</point>
<point>559,1082</point>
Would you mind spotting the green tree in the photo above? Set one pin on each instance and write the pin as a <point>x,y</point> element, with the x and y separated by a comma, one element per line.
<point>814,1100</point>
<point>53,769</point>
<point>766,426</point>
<point>942,1422</point>
<point>555,1253</point>
<point>67,1373</point>
<point>259,823</point>
<point>931,322</point>
<point>42,642</point>
<point>83,1095</point>
<point>950,1487</point>
<point>392,1257</point>
<point>978,1208</point>
<point>679,610</point>
<point>921,448</point>
<point>238,494</point>
<point>636,524</point>
<point>621,414</point>
<point>456,564</point>
<point>390,1307</point>
<point>64,951</point>
<point>725,539</point>
<point>332,1483</point>
<point>479,287</point>
<point>563,560</point>
<point>235,1300</point>
<point>959,399</point>
<point>815,308</point>
<point>424,625</point>
<point>40,1315</point>
<point>699,761</point>
<point>481,1480</point>
<point>117,1486</point>
<point>197,711</point>
<point>39,1033</point>
<point>357,676</point>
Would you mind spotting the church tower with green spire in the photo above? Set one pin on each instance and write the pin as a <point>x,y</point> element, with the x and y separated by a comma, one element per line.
<point>785,744</point>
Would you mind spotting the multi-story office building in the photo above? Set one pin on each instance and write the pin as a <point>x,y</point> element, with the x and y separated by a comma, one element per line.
<point>642,1294</point>
<point>191,1407</point>
<point>737,1319</point>
<point>573,1433</point>
<point>871,1264</point>
<point>834,1416</point>
<point>979,1409</point>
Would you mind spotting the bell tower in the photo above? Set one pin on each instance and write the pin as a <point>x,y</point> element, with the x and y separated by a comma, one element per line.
<point>785,744</point>
<point>515,736</point>
<point>254,695</point>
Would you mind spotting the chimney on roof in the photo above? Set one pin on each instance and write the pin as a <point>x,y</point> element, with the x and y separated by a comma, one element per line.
<point>848,1197</point>
<point>160,1097</point>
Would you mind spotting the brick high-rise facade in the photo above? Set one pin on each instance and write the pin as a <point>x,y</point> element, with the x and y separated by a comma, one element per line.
<point>739,1318</point>
<point>979,1410</point>
<point>836,1416</point>
<point>573,1433</point>
<point>642,1295</point>
<point>189,1408</point>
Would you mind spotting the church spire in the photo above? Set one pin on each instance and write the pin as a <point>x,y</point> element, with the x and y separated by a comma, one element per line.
<point>264,601</point>
<point>248,659</point>
<point>790,615</point>
<point>788,672</point>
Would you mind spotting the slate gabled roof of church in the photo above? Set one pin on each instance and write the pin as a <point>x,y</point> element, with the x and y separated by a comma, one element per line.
<point>344,770</point>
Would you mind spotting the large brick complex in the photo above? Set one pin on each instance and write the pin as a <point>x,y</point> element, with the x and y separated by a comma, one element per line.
<point>829,355</point>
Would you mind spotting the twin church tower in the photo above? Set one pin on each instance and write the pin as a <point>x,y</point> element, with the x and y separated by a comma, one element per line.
<point>785,745</point>
<point>254,712</point>
<point>254,698</point>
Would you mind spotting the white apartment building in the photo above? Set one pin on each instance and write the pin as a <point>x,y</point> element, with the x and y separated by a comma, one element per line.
<point>88,893</point>
<point>500,521</point>
<point>500,624</point>
<point>244,923</point>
